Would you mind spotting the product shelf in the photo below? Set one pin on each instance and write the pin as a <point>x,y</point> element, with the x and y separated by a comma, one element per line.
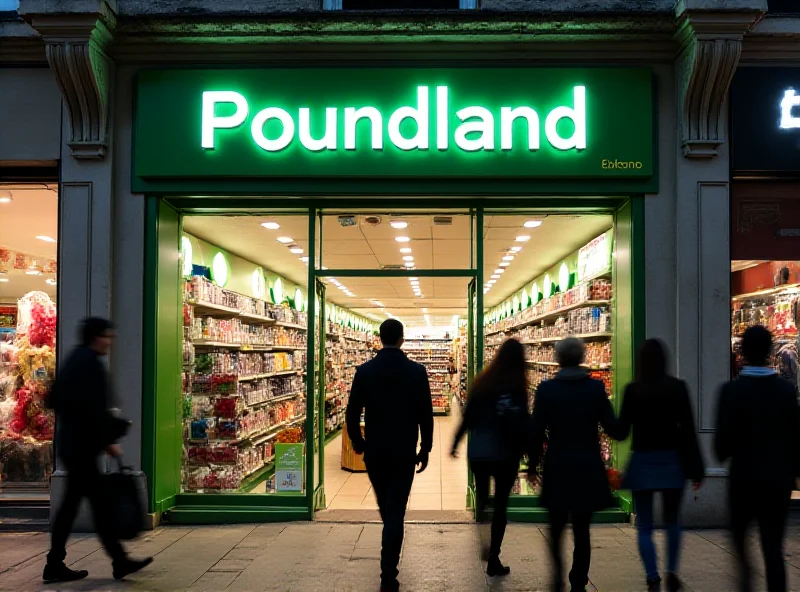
<point>584,336</point>
<point>551,315</point>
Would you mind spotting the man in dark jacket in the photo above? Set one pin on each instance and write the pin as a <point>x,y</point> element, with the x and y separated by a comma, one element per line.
<point>395,396</point>
<point>566,413</point>
<point>84,429</point>
<point>758,429</point>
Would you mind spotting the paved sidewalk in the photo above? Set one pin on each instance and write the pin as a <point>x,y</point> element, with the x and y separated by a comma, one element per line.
<point>344,557</point>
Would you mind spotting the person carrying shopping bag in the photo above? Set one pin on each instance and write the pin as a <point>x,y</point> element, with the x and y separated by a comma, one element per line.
<point>496,414</point>
<point>665,454</point>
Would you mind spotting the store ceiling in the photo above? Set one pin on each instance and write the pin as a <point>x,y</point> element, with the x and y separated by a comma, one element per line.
<point>372,244</point>
<point>32,212</point>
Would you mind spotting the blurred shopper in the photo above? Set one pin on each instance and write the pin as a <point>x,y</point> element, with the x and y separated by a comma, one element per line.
<point>496,414</point>
<point>665,454</point>
<point>566,413</point>
<point>758,429</point>
<point>395,396</point>
<point>85,428</point>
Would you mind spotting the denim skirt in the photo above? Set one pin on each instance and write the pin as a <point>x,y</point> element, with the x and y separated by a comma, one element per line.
<point>654,470</point>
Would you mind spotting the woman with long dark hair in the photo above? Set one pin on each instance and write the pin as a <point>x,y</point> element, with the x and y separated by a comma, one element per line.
<point>496,415</point>
<point>665,454</point>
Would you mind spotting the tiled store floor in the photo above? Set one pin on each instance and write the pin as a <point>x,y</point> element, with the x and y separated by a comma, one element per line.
<point>442,486</point>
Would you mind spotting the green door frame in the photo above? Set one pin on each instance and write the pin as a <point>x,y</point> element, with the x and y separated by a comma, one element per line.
<point>236,507</point>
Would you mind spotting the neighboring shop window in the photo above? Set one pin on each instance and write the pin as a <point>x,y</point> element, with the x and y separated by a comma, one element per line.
<point>765,269</point>
<point>28,252</point>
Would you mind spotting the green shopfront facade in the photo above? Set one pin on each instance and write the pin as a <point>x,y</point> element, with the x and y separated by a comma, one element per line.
<point>305,141</point>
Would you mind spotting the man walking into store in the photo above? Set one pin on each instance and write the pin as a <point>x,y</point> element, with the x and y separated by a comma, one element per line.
<point>85,428</point>
<point>394,394</point>
<point>758,429</point>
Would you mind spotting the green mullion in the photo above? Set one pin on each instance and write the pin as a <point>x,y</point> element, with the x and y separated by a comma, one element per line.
<point>479,287</point>
<point>310,365</point>
<point>467,273</point>
<point>321,383</point>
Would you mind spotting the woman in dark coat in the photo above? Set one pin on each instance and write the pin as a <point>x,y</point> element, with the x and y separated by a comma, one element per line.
<point>496,415</point>
<point>566,413</point>
<point>665,454</point>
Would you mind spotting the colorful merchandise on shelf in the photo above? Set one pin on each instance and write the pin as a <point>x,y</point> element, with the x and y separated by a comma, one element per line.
<point>27,367</point>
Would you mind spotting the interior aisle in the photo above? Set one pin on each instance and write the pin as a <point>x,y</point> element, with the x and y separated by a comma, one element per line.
<point>442,486</point>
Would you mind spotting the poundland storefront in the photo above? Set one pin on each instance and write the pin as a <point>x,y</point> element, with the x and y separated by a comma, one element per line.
<point>243,385</point>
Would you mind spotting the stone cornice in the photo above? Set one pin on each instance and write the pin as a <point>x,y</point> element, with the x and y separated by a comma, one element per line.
<point>76,46</point>
<point>711,45</point>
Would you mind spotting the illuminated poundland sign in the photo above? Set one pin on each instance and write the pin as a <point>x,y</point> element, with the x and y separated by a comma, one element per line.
<point>475,132</point>
<point>230,126</point>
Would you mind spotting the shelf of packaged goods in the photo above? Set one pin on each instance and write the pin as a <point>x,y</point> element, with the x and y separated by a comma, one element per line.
<point>218,310</point>
<point>255,438</point>
<point>550,315</point>
<point>273,400</point>
<point>267,462</point>
<point>768,292</point>
<point>247,347</point>
<point>589,366</point>
<point>291,325</point>
<point>584,336</point>
<point>204,343</point>
<point>251,377</point>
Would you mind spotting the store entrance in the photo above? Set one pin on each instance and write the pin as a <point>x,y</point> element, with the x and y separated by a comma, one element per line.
<point>257,331</point>
<point>417,267</point>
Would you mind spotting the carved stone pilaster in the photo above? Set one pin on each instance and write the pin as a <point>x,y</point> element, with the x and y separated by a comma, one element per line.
<point>76,47</point>
<point>711,44</point>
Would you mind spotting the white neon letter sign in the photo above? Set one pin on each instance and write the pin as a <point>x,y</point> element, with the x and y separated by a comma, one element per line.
<point>351,117</point>
<point>484,125</point>
<point>507,117</point>
<point>257,129</point>
<point>210,121</point>
<point>789,102</point>
<point>578,116</point>
<point>420,115</point>
<point>328,141</point>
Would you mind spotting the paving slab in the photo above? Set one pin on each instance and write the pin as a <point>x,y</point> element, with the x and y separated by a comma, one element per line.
<point>344,556</point>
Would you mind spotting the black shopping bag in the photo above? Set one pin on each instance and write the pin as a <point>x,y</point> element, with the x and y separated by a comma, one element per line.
<point>127,511</point>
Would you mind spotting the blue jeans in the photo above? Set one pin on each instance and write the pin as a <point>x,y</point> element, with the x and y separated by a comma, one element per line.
<point>643,501</point>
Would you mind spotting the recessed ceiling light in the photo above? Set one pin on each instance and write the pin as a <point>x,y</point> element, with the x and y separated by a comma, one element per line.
<point>496,276</point>
<point>508,258</point>
<point>405,250</point>
<point>271,225</point>
<point>3,280</point>
<point>504,263</point>
<point>413,279</point>
<point>516,249</point>
<point>49,282</point>
<point>409,264</point>
<point>285,240</point>
<point>46,239</point>
<point>377,303</point>
<point>296,250</point>
<point>490,282</point>
<point>304,259</point>
<point>533,223</point>
<point>402,239</point>
<point>501,270</point>
<point>399,224</point>
<point>523,238</point>
<point>6,196</point>
<point>415,284</point>
<point>33,272</point>
<point>408,258</point>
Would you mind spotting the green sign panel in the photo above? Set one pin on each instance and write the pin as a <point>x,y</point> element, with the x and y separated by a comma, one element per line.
<point>289,461</point>
<point>402,122</point>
